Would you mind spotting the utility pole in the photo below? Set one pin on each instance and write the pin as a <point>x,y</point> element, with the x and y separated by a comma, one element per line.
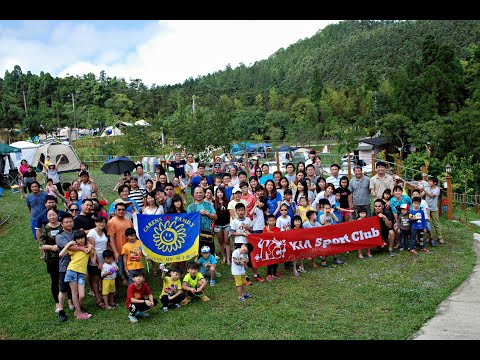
<point>193,104</point>
<point>74,119</point>
<point>25,102</point>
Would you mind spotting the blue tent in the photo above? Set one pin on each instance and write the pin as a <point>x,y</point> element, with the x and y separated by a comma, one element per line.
<point>287,148</point>
<point>238,149</point>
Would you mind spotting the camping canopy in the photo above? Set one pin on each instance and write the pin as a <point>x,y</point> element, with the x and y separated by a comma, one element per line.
<point>6,161</point>
<point>6,149</point>
<point>69,162</point>
<point>111,131</point>
<point>28,151</point>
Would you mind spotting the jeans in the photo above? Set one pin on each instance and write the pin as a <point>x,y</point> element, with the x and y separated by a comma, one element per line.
<point>32,227</point>
<point>418,233</point>
<point>166,302</point>
<point>406,240</point>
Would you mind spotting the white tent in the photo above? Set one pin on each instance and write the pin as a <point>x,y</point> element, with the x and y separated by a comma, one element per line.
<point>69,162</point>
<point>141,123</point>
<point>111,131</point>
<point>29,150</point>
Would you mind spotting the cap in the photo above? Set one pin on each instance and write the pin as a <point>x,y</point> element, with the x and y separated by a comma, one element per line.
<point>405,206</point>
<point>119,201</point>
<point>380,163</point>
<point>217,165</point>
<point>254,158</point>
<point>236,189</point>
<point>205,249</point>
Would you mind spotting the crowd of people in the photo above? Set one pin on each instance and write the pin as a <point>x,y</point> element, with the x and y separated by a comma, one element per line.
<point>86,243</point>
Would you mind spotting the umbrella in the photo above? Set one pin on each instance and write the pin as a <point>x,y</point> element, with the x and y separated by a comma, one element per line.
<point>118,165</point>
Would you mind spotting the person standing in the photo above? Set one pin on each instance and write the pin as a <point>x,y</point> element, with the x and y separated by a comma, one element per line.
<point>36,204</point>
<point>359,187</point>
<point>51,172</point>
<point>381,181</point>
<point>432,191</point>
<point>208,216</point>
<point>141,176</point>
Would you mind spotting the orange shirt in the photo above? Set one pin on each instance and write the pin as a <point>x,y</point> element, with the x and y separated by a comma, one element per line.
<point>118,227</point>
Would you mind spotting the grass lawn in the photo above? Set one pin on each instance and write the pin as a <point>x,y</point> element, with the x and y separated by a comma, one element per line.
<point>379,298</point>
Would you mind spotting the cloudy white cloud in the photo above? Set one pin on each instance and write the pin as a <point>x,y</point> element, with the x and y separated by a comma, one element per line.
<point>158,52</point>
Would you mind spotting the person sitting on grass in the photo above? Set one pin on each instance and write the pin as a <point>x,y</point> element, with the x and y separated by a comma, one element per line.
<point>172,293</point>
<point>193,283</point>
<point>136,302</point>
<point>207,265</point>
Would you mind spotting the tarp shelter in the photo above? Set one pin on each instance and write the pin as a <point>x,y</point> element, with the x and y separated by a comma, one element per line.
<point>111,131</point>
<point>238,149</point>
<point>6,162</point>
<point>287,148</point>
<point>69,162</point>
<point>28,151</point>
<point>141,123</point>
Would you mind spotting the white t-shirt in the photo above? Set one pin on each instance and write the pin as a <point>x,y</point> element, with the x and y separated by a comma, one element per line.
<point>231,206</point>
<point>237,269</point>
<point>284,224</point>
<point>101,242</point>
<point>321,195</point>
<point>148,211</point>
<point>106,269</point>
<point>258,219</point>
<point>239,226</point>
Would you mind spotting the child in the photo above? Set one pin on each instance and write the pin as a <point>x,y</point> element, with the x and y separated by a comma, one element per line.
<point>136,303</point>
<point>284,223</point>
<point>426,212</point>
<point>133,250</point>
<point>405,229</point>
<point>109,273</point>
<point>342,214</point>
<point>297,224</point>
<point>193,283</point>
<point>240,226</point>
<point>292,207</point>
<point>417,218</point>
<point>362,214</point>
<point>172,289</point>
<point>303,208</point>
<point>50,188</point>
<point>311,222</point>
<point>207,265</point>
<point>258,213</point>
<point>76,270</point>
<point>326,219</point>
<point>239,261</point>
<point>272,270</point>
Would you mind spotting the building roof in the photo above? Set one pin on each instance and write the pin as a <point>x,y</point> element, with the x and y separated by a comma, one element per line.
<point>376,141</point>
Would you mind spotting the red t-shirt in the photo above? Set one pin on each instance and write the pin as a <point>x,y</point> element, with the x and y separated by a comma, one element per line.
<point>268,229</point>
<point>133,292</point>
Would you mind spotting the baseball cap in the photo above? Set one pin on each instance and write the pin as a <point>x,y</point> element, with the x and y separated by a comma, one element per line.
<point>205,249</point>
<point>405,206</point>
<point>254,157</point>
<point>216,165</point>
<point>236,189</point>
<point>119,201</point>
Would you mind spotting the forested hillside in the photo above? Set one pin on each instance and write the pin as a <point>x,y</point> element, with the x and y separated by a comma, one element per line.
<point>416,81</point>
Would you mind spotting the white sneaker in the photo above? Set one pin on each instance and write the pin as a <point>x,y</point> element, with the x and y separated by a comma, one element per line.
<point>165,309</point>
<point>132,319</point>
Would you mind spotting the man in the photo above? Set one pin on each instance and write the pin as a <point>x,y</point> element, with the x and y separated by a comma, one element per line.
<point>386,222</point>
<point>290,175</point>
<point>42,220</point>
<point>178,165</point>
<point>208,216</point>
<point>359,187</point>
<point>242,176</point>
<point>265,174</point>
<point>161,199</point>
<point>313,179</point>
<point>116,227</point>
<point>141,176</point>
<point>381,181</point>
<point>85,220</point>
<point>311,158</point>
<point>36,205</point>
<point>191,167</point>
<point>86,185</point>
<point>334,178</point>
<point>196,179</point>
<point>432,191</point>
<point>216,171</point>
<point>169,192</point>
<point>132,206</point>
<point>136,194</point>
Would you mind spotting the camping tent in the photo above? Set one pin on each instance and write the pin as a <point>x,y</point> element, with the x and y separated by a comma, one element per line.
<point>70,162</point>
<point>6,161</point>
<point>141,123</point>
<point>28,151</point>
<point>111,131</point>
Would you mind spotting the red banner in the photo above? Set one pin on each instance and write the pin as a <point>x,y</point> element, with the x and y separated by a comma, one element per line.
<point>274,248</point>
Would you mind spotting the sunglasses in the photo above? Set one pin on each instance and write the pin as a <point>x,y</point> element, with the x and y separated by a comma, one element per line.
<point>73,209</point>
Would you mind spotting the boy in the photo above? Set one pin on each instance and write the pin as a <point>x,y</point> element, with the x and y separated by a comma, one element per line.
<point>193,283</point>
<point>432,192</point>
<point>303,208</point>
<point>418,223</point>
<point>326,219</point>
<point>272,270</point>
<point>109,273</point>
<point>133,250</point>
<point>239,261</point>
<point>240,226</point>
<point>172,289</point>
<point>136,303</point>
<point>287,200</point>
<point>405,229</point>
<point>426,213</point>
<point>207,265</point>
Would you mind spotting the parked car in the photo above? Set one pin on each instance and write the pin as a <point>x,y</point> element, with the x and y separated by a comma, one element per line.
<point>272,165</point>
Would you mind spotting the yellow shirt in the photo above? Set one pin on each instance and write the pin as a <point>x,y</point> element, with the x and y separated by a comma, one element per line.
<point>170,287</point>
<point>134,254</point>
<point>79,260</point>
<point>302,211</point>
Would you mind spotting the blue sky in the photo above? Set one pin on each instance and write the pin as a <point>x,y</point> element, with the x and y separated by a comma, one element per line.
<point>156,51</point>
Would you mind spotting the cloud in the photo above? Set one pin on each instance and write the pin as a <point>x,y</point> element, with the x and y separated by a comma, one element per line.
<point>159,52</point>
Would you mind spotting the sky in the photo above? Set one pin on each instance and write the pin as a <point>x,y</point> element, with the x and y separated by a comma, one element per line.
<point>161,52</point>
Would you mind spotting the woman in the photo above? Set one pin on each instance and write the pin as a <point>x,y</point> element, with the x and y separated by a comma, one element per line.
<point>151,207</point>
<point>23,167</point>
<point>321,184</point>
<point>302,190</point>
<point>222,224</point>
<point>298,176</point>
<point>274,199</point>
<point>209,195</point>
<point>252,184</point>
<point>255,166</point>
<point>233,175</point>
<point>344,199</point>
<point>301,168</point>
<point>99,241</point>
<point>283,184</point>
<point>52,173</point>
<point>74,209</point>
<point>74,200</point>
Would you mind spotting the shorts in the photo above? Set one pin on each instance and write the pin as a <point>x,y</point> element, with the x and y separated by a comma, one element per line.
<point>108,286</point>
<point>240,280</point>
<point>345,213</point>
<point>93,270</point>
<point>63,286</point>
<point>429,226</point>
<point>73,276</point>
<point>219,228</point>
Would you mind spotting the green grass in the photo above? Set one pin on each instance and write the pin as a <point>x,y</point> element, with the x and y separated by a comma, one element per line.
<point>379,298</point>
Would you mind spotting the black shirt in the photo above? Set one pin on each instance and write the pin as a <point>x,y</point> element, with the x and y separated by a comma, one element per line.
<point>83,222</point>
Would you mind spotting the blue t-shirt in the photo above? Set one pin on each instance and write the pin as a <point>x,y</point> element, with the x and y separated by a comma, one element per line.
<point>205,221</point>
<point>273,203</point>
<point>228,192</point>
<point>263,179</point>
<point>418,219</point>
<point>36,204</point>
<point>394,202</point>
<point>196,182</point>
<point>337,213</point>
<point>202,261</point>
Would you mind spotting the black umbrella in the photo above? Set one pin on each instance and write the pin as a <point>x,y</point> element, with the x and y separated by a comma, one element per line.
<point>118,165</point>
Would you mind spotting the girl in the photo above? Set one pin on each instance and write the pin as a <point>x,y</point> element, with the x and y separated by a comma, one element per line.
<point>23,167</point>
<point>159,170</point>
<point>177,206</point>
<point>321,185</point>
<point>258,214</point>
<point>49,247</point>
<point>297,224</point>
<point>151,207</point>
<point>50,188</point>
<point>298,176</point>
<point>327,194</point>
<point>311,194</point>
<point>387,194</point>
<point>284,222</point>
<point>233,175</point>
<point>283,184</point>
<point>99,210</point>
<point>303,207</point>
<point>97,238</point>
<point>344,199</point>
<point>52,173</point>
<point>302,190</point>
<point>252,184</point>
<point>273,198</point>
<point>76,270</point>
<point>301,168</point>
<point>179,189</point>
<point>362,214</point>
<point>222,224</point>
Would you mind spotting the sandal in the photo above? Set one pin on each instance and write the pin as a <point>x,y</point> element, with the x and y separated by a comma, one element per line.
<point>441,241</point>
<point>154,272</point>
<point>100,304</point>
